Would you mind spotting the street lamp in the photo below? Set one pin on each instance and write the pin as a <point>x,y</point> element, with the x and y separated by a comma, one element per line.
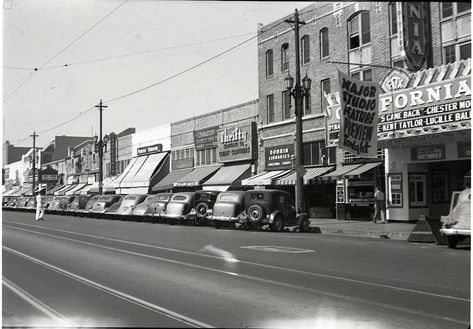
<point>99,147</point>
<point>298,92</point>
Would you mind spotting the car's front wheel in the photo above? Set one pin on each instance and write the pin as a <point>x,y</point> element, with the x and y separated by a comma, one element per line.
<point>277,225</point>
<point>304,225</point>
<point>452,241</point>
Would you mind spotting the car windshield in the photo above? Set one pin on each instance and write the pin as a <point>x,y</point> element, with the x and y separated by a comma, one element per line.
<point>229,197</point>
<point>204,197</point>
<point>130,197</point>
<point>257,196</point>
<point>163,197</point>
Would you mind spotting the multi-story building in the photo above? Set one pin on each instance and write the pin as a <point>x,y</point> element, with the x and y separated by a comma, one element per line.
<point>364,40</point>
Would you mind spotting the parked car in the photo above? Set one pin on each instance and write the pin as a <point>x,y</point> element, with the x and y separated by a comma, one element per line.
<point>5,200</point>
<point>129,203</point>
<point>179,207</point>
<point>103,203</point>
<point>12,202</point>
<point>65,202</point>
<point>46,201</point>
<point>204,201</point>
<point>157,208</point>
<point>79,203</point>
<point>457,225</point>
<point>22,201</point>
<point>111,211</point>
<point>88,206</point>
<point>229,208</point>
<point>54,204</point>
<point>31,203</point>
<point>274,208</point>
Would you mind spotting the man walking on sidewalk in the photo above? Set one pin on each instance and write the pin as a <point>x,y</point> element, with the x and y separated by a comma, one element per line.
<point>39,207</point>
<point>379,206</point>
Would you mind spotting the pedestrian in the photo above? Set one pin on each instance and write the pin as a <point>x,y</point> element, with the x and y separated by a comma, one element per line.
<point>39,207</point>
<point>379,206</point>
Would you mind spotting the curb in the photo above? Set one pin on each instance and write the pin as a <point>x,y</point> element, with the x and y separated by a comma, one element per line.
<point>403,236</point>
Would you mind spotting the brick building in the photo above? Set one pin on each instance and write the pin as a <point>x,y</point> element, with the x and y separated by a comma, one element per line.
<point>369,33</point>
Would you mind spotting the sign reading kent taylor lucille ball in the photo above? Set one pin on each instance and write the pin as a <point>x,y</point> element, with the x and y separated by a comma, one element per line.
<point>359,116</point>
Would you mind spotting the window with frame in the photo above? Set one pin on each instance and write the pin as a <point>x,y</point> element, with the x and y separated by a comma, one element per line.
<point>417,190</point>
<point>284,57</point>
<point>307,104</point>
<point>324,89</point>
<point>286,105</point>
<point>324,43</point>
<point>364,75</point>
<point>393,18</point>
<point>269,63</point>
<point>455,31</point>
<point>305,53</point>
<point>315,153</point>
<point>206,157</point>
<point>270,107</point>
<point>359,30</point>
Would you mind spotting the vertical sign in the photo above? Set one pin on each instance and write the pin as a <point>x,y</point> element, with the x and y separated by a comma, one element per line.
<point>400,28</point>
<point>416,33</point>
<point>113,154</point>
<point>359,116</point>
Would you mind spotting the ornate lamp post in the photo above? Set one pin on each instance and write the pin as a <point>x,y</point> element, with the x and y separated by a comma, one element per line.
<point>99,146</point>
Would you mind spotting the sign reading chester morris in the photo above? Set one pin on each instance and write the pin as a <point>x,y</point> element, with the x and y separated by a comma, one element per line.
<point>359,116</point>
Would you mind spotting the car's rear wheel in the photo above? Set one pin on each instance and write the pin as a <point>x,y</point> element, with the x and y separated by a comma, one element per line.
<point>255,213</point>
<point>201,212</point>
<point>217,224</point>
<point>277,225</point>
<point>452,241</point>
<point>304,225</point>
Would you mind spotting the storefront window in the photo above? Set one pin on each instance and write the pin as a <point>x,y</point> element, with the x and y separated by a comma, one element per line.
<point>440,192</point>
<point>417,190</point>
<point>270,107</point>
<point>395,190</point>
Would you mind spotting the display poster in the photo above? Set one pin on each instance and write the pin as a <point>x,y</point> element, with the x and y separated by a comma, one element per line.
<point>235,143</point>
<point>205,138</point>
<point>341,191</point>
<point>359,116</point>
<point>279,157</point>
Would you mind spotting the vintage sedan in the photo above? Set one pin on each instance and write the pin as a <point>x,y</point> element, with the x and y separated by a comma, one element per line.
<point>22,202</point>
<point>228,209</point>
<point>457,225</point>
<point>88,206</point>
<point>129,204</point>
<point>103,203</point>
<point>179,207</point>
<point>12,202</point>
<point>65,202</point>
<point>79,203</point>
<point>54,204</point>
<point>5,200</point>
<point>204,201</point>
<point>31,203</point>
<point>157,208</point>
<point>273,208</point>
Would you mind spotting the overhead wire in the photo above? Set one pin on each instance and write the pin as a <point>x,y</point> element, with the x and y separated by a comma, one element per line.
<point>62,50</point>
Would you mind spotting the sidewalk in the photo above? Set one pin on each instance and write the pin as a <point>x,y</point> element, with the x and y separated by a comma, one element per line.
<point>393,231</point>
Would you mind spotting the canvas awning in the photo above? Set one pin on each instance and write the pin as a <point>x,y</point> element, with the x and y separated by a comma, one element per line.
<point>108,184</point>
<point>167,182</point>
<point>362,169</point>
<point>54,189</point>
<point>197,176</point>
<point>146,167</point>
<point>228,175</point>
<point>309,176</point>
<point>65,189</point>
<point>26,189</point>
<point>88,188</point>
<point>12,192</point>
<point>265,177</point>
<point>124,173</point>
<point>128,179</point>
<point>77,187</point>
<point>341,171</point>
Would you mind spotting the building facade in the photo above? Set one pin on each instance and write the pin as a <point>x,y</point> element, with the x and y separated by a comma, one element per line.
<point>364,40</point>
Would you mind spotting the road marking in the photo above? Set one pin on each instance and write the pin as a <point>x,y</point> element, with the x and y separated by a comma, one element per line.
<point>62,320</point>
<point>248,277</point>
<point>122,295</point>
<point>288,250</point>
<point>420,292</point>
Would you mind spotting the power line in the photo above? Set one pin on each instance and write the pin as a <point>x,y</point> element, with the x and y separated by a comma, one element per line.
<point>61,51</point>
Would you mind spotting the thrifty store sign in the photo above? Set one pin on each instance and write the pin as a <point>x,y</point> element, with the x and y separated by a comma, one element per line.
<point>359,116</point>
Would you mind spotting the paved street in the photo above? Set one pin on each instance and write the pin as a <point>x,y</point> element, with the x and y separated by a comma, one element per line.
<point>89,272</point>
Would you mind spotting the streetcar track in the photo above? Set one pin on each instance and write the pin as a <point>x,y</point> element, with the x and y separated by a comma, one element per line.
<point>36,303</point>
<point>250,277</point>
<point>334,277</point>
<point>134,300</point>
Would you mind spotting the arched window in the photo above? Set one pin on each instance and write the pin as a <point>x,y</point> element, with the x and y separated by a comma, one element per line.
<point>305,44</point>
<point>359,30</point>
<point>284,57</point>
<point>324,50</point>
<point>269,63</point>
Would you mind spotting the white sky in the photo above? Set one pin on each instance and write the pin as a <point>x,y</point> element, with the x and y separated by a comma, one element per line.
<point>34,31</point>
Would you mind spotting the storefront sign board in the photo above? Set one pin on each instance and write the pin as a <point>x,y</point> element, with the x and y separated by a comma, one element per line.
<point>205,138</point>
<point>428,153</point>
<point>113,154</point>
<point>157,148</point>
<point>48,175</point>
<point>182,163</point>
<point>235,143</point>
<point>279,157</point>
<point>358,116</point>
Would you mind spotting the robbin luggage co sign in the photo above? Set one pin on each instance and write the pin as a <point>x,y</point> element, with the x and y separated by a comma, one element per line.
<point>205,138</point>
<point>279,157</point>
<point>358,116</point>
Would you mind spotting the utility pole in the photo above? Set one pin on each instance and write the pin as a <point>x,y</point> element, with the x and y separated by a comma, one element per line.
<point>34,161</point>
<point>100,107</point>
<point>300,203</point>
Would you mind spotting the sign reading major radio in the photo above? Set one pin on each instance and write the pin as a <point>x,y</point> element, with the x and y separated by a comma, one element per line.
<point>235,143</point>
<point>359,116</point>
<point>279,157</point>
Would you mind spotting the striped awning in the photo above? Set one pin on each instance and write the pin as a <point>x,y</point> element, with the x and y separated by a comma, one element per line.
<point>362,169</point>
<point>197,176</point>
<point>309,176</point>
<point>228,175</point>
<point>167,182</point>
<point>265,177</point>
<point>341,171</point>
<point>73,190</point>
<point>54,189</point>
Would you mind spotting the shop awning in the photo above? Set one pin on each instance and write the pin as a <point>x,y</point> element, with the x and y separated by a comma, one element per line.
<point>228,175</point>
<point>108,184</point>
<point>265,177</point>
<point>309,176</point>
<point>197,176</point>
<point>12,192</point>
<point>341,171</point>
<point>65,189</point>
<point>54,189</point>
<point>167,182</point>
<point>79,190</point>
<point>145,166</point>
<point>39,189</point>
<point>221,188</point>
<point>77,187</point>
<point>88,188</point>
<point>124,173</point>
<point>362,169</point>
<point>26,190</point>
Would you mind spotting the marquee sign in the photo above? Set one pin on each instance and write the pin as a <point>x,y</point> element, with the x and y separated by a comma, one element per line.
<point>416,33</point>
<point>235,143</point>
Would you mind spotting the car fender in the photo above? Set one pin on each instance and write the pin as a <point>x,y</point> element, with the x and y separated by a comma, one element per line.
<point>273,216</point>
